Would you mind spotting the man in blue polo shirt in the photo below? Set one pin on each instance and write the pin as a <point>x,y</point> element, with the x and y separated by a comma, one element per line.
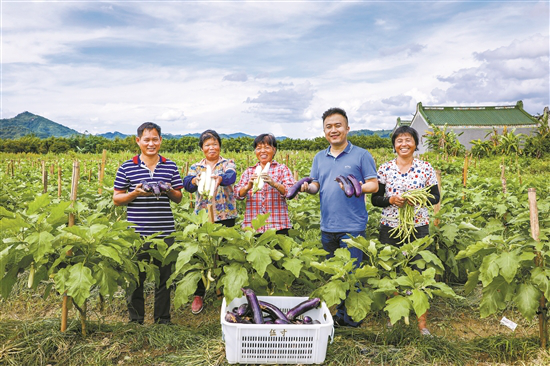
<point>151,214</point>
<point>341,215</point>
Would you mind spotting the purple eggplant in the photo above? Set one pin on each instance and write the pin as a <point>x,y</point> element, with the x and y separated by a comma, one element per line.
<point>156,190</point>
<point>356,185</point>
<point>295,189</point>
<point>254,305</point>
<point>241,310</point>
<point>307,320</point>
<point>348,187</point>
<point>164,187</point>
<point>146,186</point>
<point>232,318</point>
<point>272,310</point>
<point>302,308</point>
<point>282,321</point>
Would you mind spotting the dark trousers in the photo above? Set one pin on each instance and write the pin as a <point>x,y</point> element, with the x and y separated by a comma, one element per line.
<point>201,289</point>
<point>331,242</point>
<point>136,300</point>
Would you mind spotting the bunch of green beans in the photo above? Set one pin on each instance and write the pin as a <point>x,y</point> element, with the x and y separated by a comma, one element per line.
<point>416,199</point>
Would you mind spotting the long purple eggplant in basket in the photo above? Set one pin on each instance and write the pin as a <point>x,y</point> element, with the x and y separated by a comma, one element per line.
<point>302,308</point>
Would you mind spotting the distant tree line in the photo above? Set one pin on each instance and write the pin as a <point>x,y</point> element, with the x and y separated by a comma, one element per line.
<point>96,144</point>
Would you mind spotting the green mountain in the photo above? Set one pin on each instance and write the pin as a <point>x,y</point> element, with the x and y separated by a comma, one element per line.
<point>27,123</point>
<point>381,133</point>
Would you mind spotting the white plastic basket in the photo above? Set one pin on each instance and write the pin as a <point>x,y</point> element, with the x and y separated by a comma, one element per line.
<point>277,343</point>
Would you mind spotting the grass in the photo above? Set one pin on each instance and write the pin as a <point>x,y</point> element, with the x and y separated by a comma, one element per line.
<point>30,335</point>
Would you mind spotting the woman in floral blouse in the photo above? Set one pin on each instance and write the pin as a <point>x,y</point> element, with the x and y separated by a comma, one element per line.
<point>395,177</point>
<point>223,201</point>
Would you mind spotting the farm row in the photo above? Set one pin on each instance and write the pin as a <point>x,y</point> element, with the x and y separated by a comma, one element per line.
<point>481,235</point>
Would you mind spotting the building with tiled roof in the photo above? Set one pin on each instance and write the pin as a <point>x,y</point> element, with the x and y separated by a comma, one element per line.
<point>471,123</point>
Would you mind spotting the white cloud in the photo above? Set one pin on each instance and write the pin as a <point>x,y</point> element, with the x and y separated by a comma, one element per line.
<point>171,115</point>
<point>283,105</point>
<point>507,74</point>
<point>237,76</point>
<point>190,66</point>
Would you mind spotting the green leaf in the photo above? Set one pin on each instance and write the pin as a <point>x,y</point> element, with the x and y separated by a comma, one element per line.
<point>259,221</point>
<point>4,212</point>
<point>109,252</point>
<point>280,279</point>
<point>494,297</point>
<point>186,255</point>
<point>79,283</point>
<point>4,258</point>
<point>471,283</point>
<point>40,244</point>
<point>527,300</point>
<point>489,269</point>
<point>444,290</point>
<point>294,265</point>
<point>232,253</point>
<point>420,301</point>
<point>333,292</point>
<point>540,277</point>
<point>13,225</point>
<point>57,214</point>
<point>429,257</point>
<point>450,231</point>
<point>39,202</point>
<point>509,264</point>
<point>186,287</point>
<point>398,307</point>
<point>226,232</point>
<point>259,258</point>
<point>358,305</point>
<point>471,250</point>
<point>366,271</point>
<point>234,279</point>
<point>266,237</point>
<point>7,282</point>
<point>106,278</point>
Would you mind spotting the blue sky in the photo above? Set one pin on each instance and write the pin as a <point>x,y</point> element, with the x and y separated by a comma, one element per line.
<point>267,66</point>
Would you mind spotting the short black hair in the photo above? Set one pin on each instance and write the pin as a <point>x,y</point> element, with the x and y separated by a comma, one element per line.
<point>209,134</point>
<point>147,126</point>
<point>331,111</point>
<point>265,138</point>
<point>403,130</point>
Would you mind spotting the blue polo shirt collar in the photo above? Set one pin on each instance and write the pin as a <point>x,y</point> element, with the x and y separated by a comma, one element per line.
<point>348,148</point>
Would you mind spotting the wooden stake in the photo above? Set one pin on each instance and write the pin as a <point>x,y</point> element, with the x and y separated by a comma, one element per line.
<point>465,171</point>
<point>74,189</point>
<point>58,181</point>
<point>539,262</point>
<point>44,177</point>
<point>210,208</point>
<point>102,171</point>
<point>503,178</point>
<point>296,176</point>
<point>43,169</point>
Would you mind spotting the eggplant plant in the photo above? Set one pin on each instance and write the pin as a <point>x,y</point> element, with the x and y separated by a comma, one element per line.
<point>229,259</point>
<point>396,279</point>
